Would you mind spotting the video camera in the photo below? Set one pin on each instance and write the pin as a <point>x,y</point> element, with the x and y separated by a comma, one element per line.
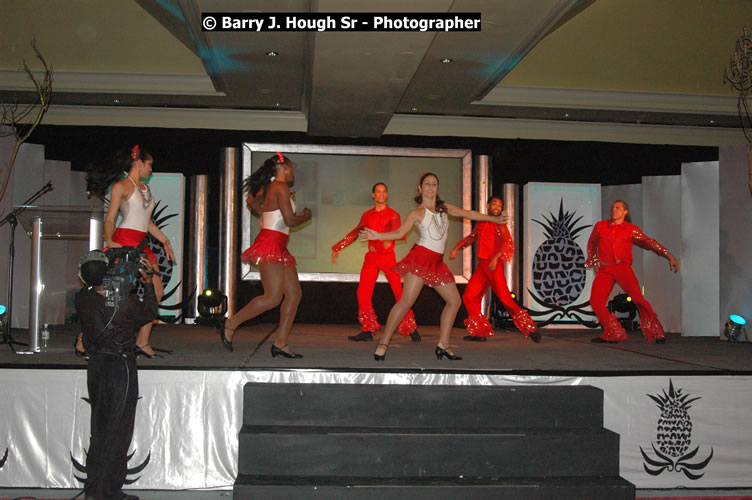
<point>122,274</point>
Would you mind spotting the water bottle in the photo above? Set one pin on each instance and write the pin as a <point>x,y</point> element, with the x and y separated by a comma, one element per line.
<point>45,337</point>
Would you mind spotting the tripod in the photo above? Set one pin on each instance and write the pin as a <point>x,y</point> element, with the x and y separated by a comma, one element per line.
<point>12,219</point>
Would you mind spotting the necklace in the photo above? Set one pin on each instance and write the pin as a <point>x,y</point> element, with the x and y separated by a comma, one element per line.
<point>438,227</point>
<point>145,193</point>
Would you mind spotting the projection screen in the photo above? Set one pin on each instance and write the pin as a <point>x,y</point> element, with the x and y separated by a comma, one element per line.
<point>335,183</point>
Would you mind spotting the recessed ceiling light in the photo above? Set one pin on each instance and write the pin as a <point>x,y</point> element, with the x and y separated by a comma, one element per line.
<point>446,60</point>
<point>116,101</point>
<point>712,122</point>
<point>566,115</point>
<point>272,53</point>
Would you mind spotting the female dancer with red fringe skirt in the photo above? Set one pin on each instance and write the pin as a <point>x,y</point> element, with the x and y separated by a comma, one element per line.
<point>131,197</point>
<point>279,276</point>
<point>424,264</point>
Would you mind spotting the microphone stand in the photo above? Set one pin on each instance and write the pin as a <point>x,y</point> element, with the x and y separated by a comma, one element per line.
<point>12,219</point>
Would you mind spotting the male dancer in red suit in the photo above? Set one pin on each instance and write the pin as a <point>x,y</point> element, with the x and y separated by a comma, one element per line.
<point>380,257</point>
<point>610,254</point>
<point>494,244</point>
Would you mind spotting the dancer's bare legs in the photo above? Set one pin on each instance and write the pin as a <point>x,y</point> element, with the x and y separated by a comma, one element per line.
<point>273,277</point>
<point>289,308</point>
<point>410,291</point>
<point>144,333</point>
<point>452,304</point>
<point>279,282</point>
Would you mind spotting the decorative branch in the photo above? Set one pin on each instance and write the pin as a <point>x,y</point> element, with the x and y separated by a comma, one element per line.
<point>22,120</point>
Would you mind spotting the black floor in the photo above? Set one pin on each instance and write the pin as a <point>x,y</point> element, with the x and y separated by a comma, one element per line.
<point>561,352</point>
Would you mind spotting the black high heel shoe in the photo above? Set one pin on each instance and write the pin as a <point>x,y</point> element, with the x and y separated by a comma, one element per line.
<point>79,354</point>
<point>380,357</point>
<point>225,342</point>
<point>139,351</point>
<point>278,351</point>
<point>441,352</point>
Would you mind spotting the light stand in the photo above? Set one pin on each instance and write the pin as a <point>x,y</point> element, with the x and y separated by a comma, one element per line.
<point>12,219</point>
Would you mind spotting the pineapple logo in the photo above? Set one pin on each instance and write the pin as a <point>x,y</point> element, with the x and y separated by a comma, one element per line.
<point>81,467</point>
<point>674,437</point>
<point>559,268</point>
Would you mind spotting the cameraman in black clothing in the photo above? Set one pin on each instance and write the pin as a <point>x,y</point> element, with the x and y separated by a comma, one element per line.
<point>111,375</point>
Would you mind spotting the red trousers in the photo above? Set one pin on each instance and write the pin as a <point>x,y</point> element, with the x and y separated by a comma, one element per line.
<point>373,263</point>
<point>625,277</point>
<point>477,324</point>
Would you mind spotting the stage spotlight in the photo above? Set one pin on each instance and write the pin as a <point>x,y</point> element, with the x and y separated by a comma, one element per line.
<point>734,328</point>
<point>212,304</point>
<point>622,303</point>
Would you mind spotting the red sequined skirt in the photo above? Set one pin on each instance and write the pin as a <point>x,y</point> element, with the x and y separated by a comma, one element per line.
<point>269,247</point>
<point>425,264</point>
<point>132,238</point>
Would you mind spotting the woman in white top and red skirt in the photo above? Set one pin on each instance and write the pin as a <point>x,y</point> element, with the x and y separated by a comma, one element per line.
<point>133,199</point>
<point>424,264</point>
<point>268,192</point>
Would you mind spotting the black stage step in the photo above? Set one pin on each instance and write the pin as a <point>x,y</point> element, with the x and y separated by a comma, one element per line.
<point>422,406</point>
<point>527,488</point>
<point>402,441</point>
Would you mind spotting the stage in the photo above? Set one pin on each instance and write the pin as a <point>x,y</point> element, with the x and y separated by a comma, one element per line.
<point>191,406</point>
<point>562,352</point>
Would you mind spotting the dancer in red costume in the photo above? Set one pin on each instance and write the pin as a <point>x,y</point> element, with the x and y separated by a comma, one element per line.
<point>131,197</point>
<point>279,276</point>
<point>424,264</point>
<point>610,254</point>
<point>494,244</point>
<point>380,257</point>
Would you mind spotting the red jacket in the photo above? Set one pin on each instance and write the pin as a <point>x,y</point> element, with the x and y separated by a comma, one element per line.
<point>612,243</point>
<point>492,238</point>
<point>382,221</point>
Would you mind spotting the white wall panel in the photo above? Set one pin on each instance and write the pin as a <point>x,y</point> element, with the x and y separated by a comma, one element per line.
<point>699,249</point>
<point>661,216</point>
<point>735,236</point>
<point>28,175</point>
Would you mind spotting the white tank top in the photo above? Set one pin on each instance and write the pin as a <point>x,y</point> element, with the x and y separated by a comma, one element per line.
<point>136,211</point>
<point>273,220</point>
<point>433,231</point>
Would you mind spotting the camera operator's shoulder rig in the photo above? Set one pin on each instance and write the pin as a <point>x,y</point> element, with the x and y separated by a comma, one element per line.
<point>122,274</point>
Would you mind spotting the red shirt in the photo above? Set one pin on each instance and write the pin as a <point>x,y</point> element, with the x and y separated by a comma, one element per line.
<point>383,221</point>
<point>492,238</point>
<point>612,243</point>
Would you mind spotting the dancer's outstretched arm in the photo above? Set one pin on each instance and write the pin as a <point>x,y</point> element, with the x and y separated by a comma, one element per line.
<point>456,211</point>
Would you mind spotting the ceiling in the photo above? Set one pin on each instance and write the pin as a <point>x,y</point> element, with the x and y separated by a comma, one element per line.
<point>556,66</point>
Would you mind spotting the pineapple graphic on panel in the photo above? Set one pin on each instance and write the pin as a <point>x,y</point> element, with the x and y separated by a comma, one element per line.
<point>674,437</point>
<point>556,283</point>
<point>559,262</point>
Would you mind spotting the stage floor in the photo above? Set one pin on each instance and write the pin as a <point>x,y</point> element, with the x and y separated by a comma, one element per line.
<point>326,347</point>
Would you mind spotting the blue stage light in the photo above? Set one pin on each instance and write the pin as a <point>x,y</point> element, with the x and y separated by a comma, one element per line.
<point>734,317</point>
<point>734,328</point>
